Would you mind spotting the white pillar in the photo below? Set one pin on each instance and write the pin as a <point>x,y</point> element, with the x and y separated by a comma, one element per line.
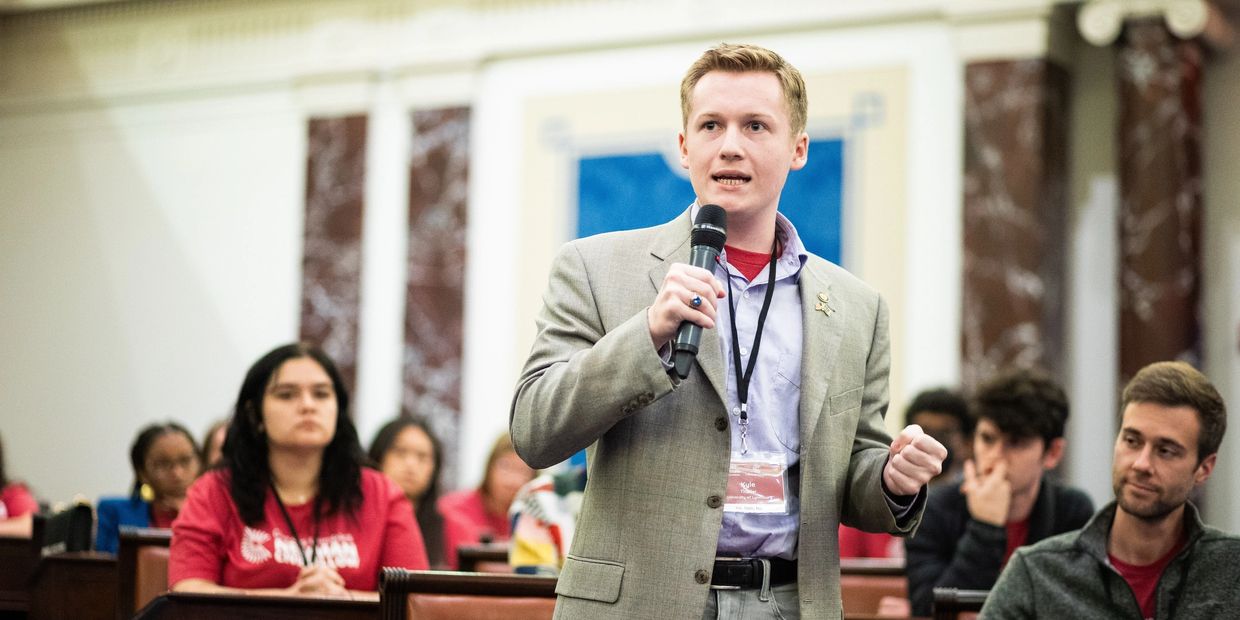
<point>385,238</point>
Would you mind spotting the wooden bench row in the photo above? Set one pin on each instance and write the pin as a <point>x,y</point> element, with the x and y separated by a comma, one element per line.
<point>87,585</point>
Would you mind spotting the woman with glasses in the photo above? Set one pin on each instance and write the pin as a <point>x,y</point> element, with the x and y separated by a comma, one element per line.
<point>165,462</point>
<point>407,451</point>
<point>291,509</point>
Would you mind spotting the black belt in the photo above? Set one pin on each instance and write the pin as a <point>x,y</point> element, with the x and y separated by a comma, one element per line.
<point>733,573</point>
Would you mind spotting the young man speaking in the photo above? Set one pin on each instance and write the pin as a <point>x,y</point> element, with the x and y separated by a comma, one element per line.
<point>719,496</point>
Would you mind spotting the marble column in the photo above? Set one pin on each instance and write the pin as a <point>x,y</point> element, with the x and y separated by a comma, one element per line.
<point>435,308</point>
<point>332,259</point>
<point>1015,205</point>
<point>1160,233</point>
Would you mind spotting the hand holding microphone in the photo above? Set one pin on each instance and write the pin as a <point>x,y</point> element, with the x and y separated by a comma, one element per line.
<point>689,295</point>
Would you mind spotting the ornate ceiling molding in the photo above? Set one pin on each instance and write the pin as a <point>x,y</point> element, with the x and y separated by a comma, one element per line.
<point>1101,21</point>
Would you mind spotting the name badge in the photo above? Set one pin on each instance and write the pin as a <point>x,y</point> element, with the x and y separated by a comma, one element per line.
<point>758,483</point>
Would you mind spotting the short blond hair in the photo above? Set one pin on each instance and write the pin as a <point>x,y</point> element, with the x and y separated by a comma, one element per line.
<point>741,58</point>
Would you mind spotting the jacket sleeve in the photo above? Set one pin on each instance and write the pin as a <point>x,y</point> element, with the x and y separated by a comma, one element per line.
<point>107,530</point>
<point>580,378</point>
<point>940,557</point>
<point>1012,596</point>
<point>867,507</point>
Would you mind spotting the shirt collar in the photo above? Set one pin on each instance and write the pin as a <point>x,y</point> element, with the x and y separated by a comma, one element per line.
<point>793,248</point>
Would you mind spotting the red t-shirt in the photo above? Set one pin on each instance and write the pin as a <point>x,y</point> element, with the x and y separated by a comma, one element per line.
<point>466,521</point>
<point>209,540</point>
<point>855,543</point>
<point>16,501</point>
<point>162,518</point>
<point>1144,579</point>
<point>1017,534</point>
<point>750,264</point>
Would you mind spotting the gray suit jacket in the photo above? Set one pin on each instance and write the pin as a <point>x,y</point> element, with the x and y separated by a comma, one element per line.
<point>658,452</point>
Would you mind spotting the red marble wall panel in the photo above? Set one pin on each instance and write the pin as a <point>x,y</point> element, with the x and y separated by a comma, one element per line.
<point>332,259</point>
<point>1160,196</point>
<point>1015,201</point>
<point>434,315</point>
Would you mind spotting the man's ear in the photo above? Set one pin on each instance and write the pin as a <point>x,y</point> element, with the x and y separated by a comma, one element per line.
<point>1204,469</point>
<point>800,152</point>
<point>684,152</point>
<point>1053,454</point>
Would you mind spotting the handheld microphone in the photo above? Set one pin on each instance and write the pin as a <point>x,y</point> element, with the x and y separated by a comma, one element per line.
<point>710,231</point>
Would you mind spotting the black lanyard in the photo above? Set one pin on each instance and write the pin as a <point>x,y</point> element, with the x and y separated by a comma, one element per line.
<point>314,550</point>
<point>742,379</point>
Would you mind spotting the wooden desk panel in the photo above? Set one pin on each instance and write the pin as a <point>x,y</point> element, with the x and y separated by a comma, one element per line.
<point>186,606</point>
<point>18,557</point>
<point>131,541</point>
<point>78,584</point>
<point>483,558</point>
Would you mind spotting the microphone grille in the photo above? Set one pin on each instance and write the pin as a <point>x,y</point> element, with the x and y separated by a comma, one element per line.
<point>711,227</point>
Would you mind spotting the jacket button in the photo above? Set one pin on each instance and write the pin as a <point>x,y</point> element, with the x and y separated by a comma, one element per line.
<point>721,423</point>
<point>701,577</point>
<point>714,501</point>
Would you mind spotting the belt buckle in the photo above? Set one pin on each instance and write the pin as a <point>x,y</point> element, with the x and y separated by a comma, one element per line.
<point>735,560</point>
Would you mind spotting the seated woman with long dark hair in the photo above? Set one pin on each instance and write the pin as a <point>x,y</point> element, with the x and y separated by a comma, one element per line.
<point>292,510</point>
<point>165,460</point>
<point>408,452</point>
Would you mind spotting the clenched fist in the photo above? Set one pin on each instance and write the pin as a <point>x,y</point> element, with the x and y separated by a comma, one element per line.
<point>915,458</point>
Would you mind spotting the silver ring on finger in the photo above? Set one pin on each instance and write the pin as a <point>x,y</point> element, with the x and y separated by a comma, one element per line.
<point>696,302</point>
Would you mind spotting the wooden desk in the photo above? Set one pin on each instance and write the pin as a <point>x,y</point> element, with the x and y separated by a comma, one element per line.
<point>872,566</point>
<point>869,586</point>
<point>76,584</point>
<point>18,558</point>
<point>406,595</point>
<point>486,558</point>
<point>186,606</point>
<point>954,603</point>
<point>131,541</point>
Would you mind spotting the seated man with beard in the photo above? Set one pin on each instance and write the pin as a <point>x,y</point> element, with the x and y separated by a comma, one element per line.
<point>1147,554</point>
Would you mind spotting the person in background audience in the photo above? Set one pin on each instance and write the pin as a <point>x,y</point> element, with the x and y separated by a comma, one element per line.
<point>213,444</point>
<point>481,515</point>
<point>408,452</point>
<point>165,462</point>
<point>544,517</point>
<point>944,415</point>
<point>855,543</point>
<point>1147,554</point>
<point>292,509</point>
<point>17,505</point>
<point>971,528</point>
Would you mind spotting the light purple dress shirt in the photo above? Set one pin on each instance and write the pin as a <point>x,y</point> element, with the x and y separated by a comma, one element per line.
<point>774,389</point>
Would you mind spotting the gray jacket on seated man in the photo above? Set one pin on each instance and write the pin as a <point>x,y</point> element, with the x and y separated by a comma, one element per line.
<point>1069,576</point>
<point>1147,554</point>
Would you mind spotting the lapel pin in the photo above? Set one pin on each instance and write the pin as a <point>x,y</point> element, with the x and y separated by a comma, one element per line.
<point>823,304</point>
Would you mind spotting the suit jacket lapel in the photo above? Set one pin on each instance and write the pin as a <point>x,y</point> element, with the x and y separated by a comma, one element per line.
<point>671,245</point>
<point>823,327</point>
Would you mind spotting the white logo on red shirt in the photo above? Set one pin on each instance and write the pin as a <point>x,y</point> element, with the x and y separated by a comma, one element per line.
<point>336,551</point>
<point>254,546</point>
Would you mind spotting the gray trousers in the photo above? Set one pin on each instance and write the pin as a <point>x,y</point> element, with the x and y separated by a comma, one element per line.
<point>777,603</point>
